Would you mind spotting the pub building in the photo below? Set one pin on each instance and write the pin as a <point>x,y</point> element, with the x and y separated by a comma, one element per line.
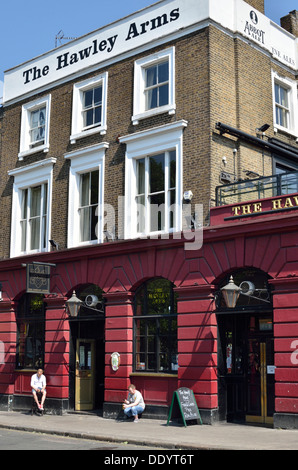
<point>149,197</point>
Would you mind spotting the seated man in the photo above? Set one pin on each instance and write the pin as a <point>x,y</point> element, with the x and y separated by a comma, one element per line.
<point>38,385</point>
<point>134,405</point>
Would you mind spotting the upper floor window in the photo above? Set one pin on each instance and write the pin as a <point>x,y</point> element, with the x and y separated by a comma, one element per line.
<point>282,110</point>
<point>35,127</point>
<point>31,207</point>
<point>157,85</point>
<point>34,214</point>
<point>92,107</point>
<point>156,192</point>
<point>285,104</point>
<point>154,181</point>
<point>89,111</point>
<point>86,195</point>
<point>154,85</point>
<point>88,209</point>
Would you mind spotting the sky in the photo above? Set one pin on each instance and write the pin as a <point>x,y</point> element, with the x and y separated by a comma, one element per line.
<point>29,28</point>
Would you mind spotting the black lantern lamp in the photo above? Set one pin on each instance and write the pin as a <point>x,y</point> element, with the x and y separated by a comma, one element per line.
<point>73,305</point>
<point>231,293</point>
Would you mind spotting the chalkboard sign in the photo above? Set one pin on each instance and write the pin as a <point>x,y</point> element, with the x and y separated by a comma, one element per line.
<point>187,405</point>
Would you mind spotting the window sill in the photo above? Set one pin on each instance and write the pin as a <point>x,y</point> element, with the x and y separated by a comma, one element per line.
<point>170,109</point>
<point>42,148</point>
<point>153,374</point>
<point>102,130</point>
<point>285,130</point>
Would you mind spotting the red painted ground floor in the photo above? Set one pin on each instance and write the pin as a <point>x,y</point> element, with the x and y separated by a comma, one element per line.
<point>163,313</point>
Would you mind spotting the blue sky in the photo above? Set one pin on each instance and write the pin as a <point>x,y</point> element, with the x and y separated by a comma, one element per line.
<point>29,29</point>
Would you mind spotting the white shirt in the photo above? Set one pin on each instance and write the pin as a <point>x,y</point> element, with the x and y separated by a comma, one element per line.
<point>38,382</point>
<point>136,396</point>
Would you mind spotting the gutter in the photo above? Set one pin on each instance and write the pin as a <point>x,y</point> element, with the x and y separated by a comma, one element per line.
<point>225,129</point>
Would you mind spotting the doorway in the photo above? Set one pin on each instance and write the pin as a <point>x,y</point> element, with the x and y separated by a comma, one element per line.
<point>246,367</point>
<point>87,354</point>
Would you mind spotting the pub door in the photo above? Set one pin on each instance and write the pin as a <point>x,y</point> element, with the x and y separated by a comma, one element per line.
<point>85,374</point>
<point>246,368</point>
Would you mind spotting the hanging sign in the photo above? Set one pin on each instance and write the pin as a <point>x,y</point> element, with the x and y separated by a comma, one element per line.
<point>184,403</point>
<point>38,278</point>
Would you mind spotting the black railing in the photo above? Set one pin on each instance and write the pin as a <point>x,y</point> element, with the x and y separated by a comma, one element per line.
<point>260,188</point>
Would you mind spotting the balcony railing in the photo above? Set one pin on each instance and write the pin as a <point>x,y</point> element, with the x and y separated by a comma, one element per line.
<point>260,188</point>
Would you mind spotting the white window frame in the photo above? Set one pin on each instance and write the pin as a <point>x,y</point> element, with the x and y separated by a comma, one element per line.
<point>83,161</point>
<point>77,127</point>
<point>291,87</point>
<point>139,101</point>
<point>25,140</point>
<point>24,178</point>
<point>143,144</point>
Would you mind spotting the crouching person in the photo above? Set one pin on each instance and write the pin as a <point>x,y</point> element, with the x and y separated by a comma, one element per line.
<point>134,405</point>
<point>38,385</point>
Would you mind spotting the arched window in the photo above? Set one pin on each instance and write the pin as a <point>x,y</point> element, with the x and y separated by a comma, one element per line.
<point>155,327</point>
<point>30,332</point>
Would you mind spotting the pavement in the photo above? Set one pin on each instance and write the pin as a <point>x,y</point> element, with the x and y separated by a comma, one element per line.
<point>154,433</point>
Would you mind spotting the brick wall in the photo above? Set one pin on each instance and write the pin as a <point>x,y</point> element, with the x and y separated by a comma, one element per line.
<point>257,4</point>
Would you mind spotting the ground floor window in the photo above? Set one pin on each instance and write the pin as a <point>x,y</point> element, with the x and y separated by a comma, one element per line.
<point>30,332</point>
<point>155,327</point>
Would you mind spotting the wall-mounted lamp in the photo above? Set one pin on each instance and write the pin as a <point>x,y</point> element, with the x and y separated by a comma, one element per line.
<point>73,305</point>
<point>231,292</point>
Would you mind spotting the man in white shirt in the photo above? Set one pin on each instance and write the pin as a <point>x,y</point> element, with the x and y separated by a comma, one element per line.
<point>38,385</point>
<point>134,405</point>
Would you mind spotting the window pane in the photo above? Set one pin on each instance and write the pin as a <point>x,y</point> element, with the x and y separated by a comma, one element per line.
<point>88,98</point>
<point>94,186</point>
<point>45,198</point>
<point>23,235</point>
<point>97,95</point>
<point>85,189</point>
<point>157,173</point>
<point>35,201</point>
<point>283,97</point>
<point>84,224</point>
<point>141,176</point>
<point>97,115</point>
<point>88,118</point>
<point>24,203</point>
<point>93,222</point>
<point>163,72</point>
<point>159,297</point>
<point>141,212</point>
<point>151,98</point>
<point>172,169</point>
<point>163,95</point>
<point>157,212</point>
<point>151,76</point>
<point>35,233</point>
